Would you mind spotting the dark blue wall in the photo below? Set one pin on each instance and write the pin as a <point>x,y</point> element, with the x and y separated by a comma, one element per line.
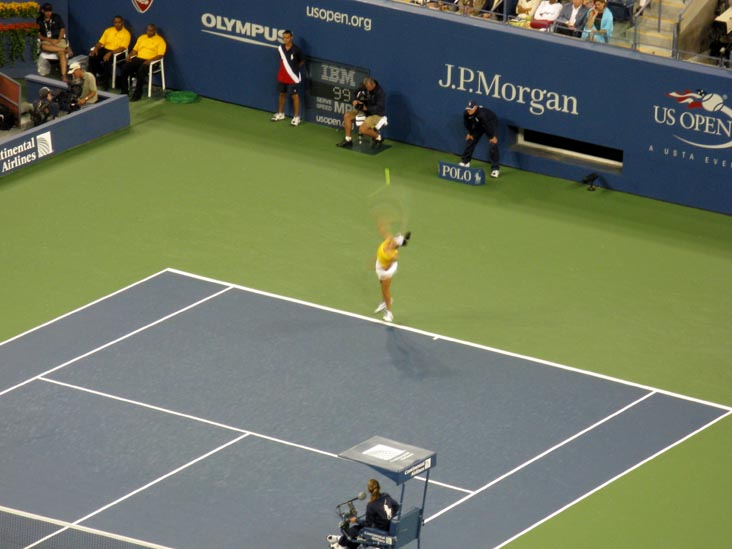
<point>587,92</point>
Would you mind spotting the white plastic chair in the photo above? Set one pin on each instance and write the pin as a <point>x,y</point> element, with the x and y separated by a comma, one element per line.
<point>45,58</point>
<point>156,67</point>
<point>117,58</point>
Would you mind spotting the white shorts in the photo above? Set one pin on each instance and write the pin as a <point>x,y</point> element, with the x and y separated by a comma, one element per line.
<point>385,274</point>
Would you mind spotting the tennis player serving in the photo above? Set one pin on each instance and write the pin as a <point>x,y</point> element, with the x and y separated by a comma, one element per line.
<point>386,265</point>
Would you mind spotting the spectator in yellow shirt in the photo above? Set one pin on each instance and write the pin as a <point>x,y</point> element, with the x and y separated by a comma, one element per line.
<point>148,48</point>
<point>115,39</point>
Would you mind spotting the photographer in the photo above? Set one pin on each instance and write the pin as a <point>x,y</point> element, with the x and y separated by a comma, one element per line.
<point>371,101</point>
<point>87,84</point>
<point>45,108</point>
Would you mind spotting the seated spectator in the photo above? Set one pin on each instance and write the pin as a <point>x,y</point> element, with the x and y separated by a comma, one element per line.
<point>599,26</point>
<point>525,10</point>
<point>572,19</point>
<point>52,36</point>
<point>492,10</point>
<point>114,39</point>
<point>148,48</point>
<point>546,14</point>
<point>88,82</point>
<point>443,5</point>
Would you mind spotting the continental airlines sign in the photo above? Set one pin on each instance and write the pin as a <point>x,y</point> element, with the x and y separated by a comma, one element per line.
<point>25,151</point>
<point>538,100</point>
<point>241,31</point>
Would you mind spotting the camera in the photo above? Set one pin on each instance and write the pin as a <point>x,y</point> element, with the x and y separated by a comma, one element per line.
<point>362,96</point>
<point>68,99</point>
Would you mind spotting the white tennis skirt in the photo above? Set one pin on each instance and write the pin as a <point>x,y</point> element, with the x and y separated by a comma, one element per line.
<point>385,274</point>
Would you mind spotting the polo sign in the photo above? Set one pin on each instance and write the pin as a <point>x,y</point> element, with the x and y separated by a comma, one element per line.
<point>461,174</point>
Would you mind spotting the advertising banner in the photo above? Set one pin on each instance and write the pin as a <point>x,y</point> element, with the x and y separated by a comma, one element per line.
<point>671,121</point>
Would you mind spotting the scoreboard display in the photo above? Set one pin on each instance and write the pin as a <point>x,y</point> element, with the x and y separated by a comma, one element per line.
<point>331,90</point>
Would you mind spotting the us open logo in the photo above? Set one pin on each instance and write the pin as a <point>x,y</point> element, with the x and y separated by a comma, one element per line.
<point>142,5</point>
<point>703,117</point>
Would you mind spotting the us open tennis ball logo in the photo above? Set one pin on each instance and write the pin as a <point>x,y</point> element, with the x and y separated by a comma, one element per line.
<point>704,117</point>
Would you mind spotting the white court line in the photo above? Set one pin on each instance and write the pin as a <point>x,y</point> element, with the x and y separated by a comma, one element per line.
<point>601,486</point>
<point>444,485</point>
<point>459,341</point>
<point>538,457</point>
<point>223,426</point>
<point>140,489</point>
<point>85,529</point>
<point>83,307</point>
<point>115,341</point>
<point>188,416</point>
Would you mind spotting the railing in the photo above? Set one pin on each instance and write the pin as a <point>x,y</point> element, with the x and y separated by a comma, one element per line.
<point>502,16</point>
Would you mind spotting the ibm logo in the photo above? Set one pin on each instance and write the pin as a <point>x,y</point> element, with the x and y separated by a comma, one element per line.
<point>338,75</point>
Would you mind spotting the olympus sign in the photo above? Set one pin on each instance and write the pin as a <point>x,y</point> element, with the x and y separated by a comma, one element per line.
<point>242,31</point>
<point>539,100</point>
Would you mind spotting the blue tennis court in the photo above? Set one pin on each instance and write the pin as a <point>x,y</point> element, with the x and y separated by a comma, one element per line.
<point>183,412</point>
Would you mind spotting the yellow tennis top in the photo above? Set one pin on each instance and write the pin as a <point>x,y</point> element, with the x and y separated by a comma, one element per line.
<point>384,256</point>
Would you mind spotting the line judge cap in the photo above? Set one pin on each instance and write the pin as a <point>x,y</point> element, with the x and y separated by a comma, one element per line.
<point>471,105</point>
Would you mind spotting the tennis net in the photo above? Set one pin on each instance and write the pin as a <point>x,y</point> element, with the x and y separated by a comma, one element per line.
<point>21,530</point>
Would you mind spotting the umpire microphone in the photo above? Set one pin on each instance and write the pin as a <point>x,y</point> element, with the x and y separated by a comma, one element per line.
<point>361,496</point>
<point>347,510</point>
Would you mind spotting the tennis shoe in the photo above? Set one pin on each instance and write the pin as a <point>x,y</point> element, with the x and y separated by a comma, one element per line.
<point>495,174</point>
<point>295,121</point>
<point>377,143</point>
<point>382,306</point>
<point>278,116</point>
<point>388,317</point>
<point>346,144</point>
<point>465,164</point>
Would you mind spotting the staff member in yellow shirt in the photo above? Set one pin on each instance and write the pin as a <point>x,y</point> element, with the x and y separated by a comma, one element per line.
<point>386,265</point>
<point>149,47</point>
<point>115,39</point>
